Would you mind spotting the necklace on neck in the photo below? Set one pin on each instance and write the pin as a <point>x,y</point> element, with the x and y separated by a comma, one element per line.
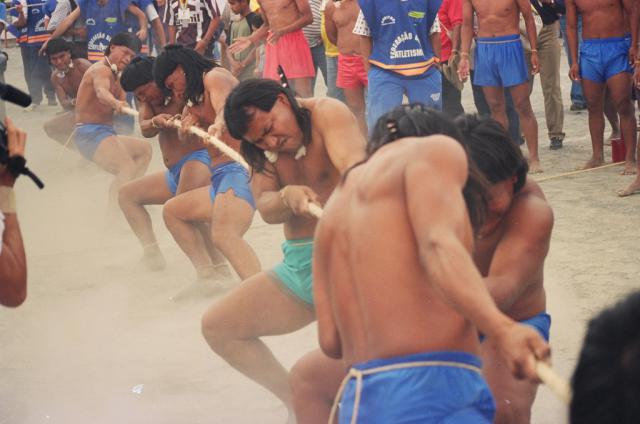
<point>272,157</point>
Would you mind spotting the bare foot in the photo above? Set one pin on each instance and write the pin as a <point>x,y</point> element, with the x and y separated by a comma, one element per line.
<point>629,168</point>
<point>153,260</point>
<point>592,163</point>
<point>633,188</point>
<point>535,167</point>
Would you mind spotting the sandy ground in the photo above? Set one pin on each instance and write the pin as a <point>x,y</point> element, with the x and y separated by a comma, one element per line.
<point>99,340</point>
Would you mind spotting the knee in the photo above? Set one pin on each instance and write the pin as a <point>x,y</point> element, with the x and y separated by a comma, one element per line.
<point>523,107</point>
<point>214,330</point>
<point>126,195</point>
<point>625,108</point>
<point>169,212</point>
<point>300,380</point>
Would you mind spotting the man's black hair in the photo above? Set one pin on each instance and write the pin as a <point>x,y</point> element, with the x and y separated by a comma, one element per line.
<point>260,94</point>
<point>492,150</point>
<point>194,65</point>
<point>126,39</point>
<point>137,73</point>
<point>57,45</point>
<point>606,381</point>
<point>416,120</point>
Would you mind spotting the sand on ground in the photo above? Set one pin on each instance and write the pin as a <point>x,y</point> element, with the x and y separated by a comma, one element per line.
<point>99,340</point>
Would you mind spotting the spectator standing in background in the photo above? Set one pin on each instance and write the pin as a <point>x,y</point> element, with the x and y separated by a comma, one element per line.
<point>450,17</point>
<point>313,34</point>
<point>193,24</point>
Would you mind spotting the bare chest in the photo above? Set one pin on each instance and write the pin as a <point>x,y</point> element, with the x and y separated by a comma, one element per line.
<point>587,7</point>
<point>314,170</point>
<point>495,8</point>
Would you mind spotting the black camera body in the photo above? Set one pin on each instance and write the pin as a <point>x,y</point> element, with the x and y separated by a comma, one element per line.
<point>15,164</point>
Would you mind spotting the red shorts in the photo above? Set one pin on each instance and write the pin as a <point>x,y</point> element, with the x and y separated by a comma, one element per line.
<point>351,72</point>
<point>292,53</point>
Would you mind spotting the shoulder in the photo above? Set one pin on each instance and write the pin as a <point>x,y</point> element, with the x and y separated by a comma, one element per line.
<point>437,155</point>
<point>531,212</point>
<point>82,63</point>
<point>325,109</point>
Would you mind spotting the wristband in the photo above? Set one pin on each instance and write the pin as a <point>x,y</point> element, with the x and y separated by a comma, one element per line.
<point>7,200</point>
<point>534,50</point>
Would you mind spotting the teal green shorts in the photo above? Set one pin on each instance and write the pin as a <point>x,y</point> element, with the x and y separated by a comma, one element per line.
<point>294,273</point>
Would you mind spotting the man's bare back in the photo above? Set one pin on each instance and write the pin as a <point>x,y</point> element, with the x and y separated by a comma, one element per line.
<point>529,220</point>
<point>602,18</point>
<point>344,15</point>
<point>497,17</point>
<point>376,283</point>
<point>89,110</point>
<point>279,13</point>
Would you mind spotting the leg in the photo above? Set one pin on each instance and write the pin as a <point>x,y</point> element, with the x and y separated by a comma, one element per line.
<point>133,196</point>
<point>114,156</point>
<point>332,75</point>
<point>29,71</point>
<point>140,152</point>
<point>512,118</point>
<point>529,124</point>
<point>179,215</point>
<point>315,380</point>
<point>478,99</point>
<point>233,327</point>
<point>231,218</point>
<point>594,95</point>
<point>494,96</point>
<point>513,397</point>
<point>355,100</point>
<point>612,115</point>
<point>451,99</point>
<point>385,93</point>
<point>61,128</point>
<point>302,86</point>
<point>550,52</point>
<point>620,89</point>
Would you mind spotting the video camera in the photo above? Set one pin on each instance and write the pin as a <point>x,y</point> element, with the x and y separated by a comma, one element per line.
<point>15,164</point>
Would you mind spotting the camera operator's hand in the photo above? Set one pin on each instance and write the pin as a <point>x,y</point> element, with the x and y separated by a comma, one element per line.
<point>16,141</point>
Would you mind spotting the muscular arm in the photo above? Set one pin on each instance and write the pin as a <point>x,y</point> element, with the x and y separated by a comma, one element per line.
<point>467,27</point>
<point>525,243</point>
<point>158,30</point>
<point>530,23</point>
<point>305,17</point>
<point>438,231</point>
<point>65,101</point>
<point>341,134</point>
<point>66,23</point>
<point>631,9</point>
<point>13,264</point>
<point>265,187</point>
<point>102,87</point>
<point>572,31</point>
<point>329,24</point>
<point>328,335</point>
<point>219,85</point>
<point>139,14</point>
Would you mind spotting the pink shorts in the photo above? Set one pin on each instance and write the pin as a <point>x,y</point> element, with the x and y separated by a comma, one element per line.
<point>351,72</point>
<point>292,53</point>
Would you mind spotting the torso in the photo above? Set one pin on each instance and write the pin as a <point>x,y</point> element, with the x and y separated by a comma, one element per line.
<point>383,302</point>
<point>532,301</point>
<point>497,17</point>
<point>172,148</point>
<point>345,17</point>
<point>88,109</point>
<point>602,18</point>
<point>71,81</point>
<point>207,116</point>
<point>280,13</point>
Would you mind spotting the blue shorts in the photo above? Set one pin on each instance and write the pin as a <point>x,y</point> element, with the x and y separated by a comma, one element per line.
<point>424,388</point>
<point>540,322</point>
<point>603,58</point>
<point>89,136</point>
<point>173,174</point>
<point>231,176</point>
<point>386,89</point>
<point>294,272</point>
<point>500,62</point>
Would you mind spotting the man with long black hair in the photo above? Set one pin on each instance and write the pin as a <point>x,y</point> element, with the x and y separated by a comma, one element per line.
<point>298,149</point>
<point>187,162</point>
<point>228,203</point>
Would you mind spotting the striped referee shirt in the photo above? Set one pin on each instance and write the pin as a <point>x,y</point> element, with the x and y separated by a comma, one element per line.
<point>191,18</point>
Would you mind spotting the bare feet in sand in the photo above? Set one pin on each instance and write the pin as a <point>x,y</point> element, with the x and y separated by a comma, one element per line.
<point>633,188</point>
<point>591,163</point>
<point>629,168</point>
<point>153,260</point>
<point>535,167</point>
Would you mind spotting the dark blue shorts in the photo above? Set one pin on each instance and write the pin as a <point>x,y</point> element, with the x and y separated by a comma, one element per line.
<point>500,62</point>
<point>424,388</point>
<point>173,174</point>
<point>231,176</point>
<point>603,58</point>
<point>89,136</point>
